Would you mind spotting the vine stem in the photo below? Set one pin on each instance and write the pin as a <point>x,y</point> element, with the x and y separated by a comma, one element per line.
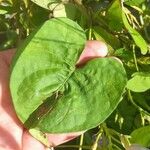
<point>125,142</point>
<point>135,60</point>
<point>90,33</point>
<point>117,147</point>
<point>81,141</point>
<point>132,101</point>
<point>95,145</point>
<point>140,109</point>
<point>74,146</point>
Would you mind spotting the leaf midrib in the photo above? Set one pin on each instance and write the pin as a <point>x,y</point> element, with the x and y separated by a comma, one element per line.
<point>32,121</point>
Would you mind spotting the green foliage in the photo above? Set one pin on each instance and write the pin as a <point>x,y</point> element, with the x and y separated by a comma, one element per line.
<point>140,82</point>
<point>46,3</point>
<point>134,2</point>
<point>102,34</point>
<point>113,15</point>
<point>141,136</point>
<point>48,56</point>
<point>140,42</point>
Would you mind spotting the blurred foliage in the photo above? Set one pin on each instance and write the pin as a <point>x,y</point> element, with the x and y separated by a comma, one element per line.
<point>125,26</point>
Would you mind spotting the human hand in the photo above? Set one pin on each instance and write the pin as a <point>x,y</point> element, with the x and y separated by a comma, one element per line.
<point>13,136</point>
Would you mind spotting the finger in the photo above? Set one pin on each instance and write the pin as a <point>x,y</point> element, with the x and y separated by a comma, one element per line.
<point>57,139</point>
<point>4,79</point>
<point>4,84</point>
<point>10,138</point>
<point>93,49</point>
<point>10,129</point>
<point>8,55</point>
<point>30,143</point>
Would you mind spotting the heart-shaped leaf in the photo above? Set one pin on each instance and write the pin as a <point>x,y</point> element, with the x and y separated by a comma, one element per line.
<point>141,136</point>
<point>140,82</point>
<point>50,93</point>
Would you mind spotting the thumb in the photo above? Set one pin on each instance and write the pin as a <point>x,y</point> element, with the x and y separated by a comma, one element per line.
<point>93,49</point>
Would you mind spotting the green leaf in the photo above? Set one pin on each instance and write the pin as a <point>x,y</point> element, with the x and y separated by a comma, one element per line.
<point>124,121</point>
<point>32,22</point>
<point>108,37</point>
<point>138,39</point>
<point>50,93</point>
<point>144,61</point>
<point>134,2</point>
<point>124,54</point>
<point>142,100</point>
<point>60,8</point>
<point>45,3</point>
<point>114,16</point>
<point>48,4</point>
<point>66,10</point>
<point>4,9</point>
<point>140,82</point>
<point>141,136</point>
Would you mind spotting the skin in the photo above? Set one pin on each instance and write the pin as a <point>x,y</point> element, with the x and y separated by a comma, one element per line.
<point>13,136</point>
<point>136,147</point>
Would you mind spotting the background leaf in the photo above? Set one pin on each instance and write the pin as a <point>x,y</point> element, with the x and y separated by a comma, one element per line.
<point>66,10</point>
<point>140,82</point>
<point>138,39</point>
<point>109,38</point>
<point>142,100</point>
<point>46,3</point>
<point>114,14</point>
<point>134,2</point>
<point>141,136</point>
